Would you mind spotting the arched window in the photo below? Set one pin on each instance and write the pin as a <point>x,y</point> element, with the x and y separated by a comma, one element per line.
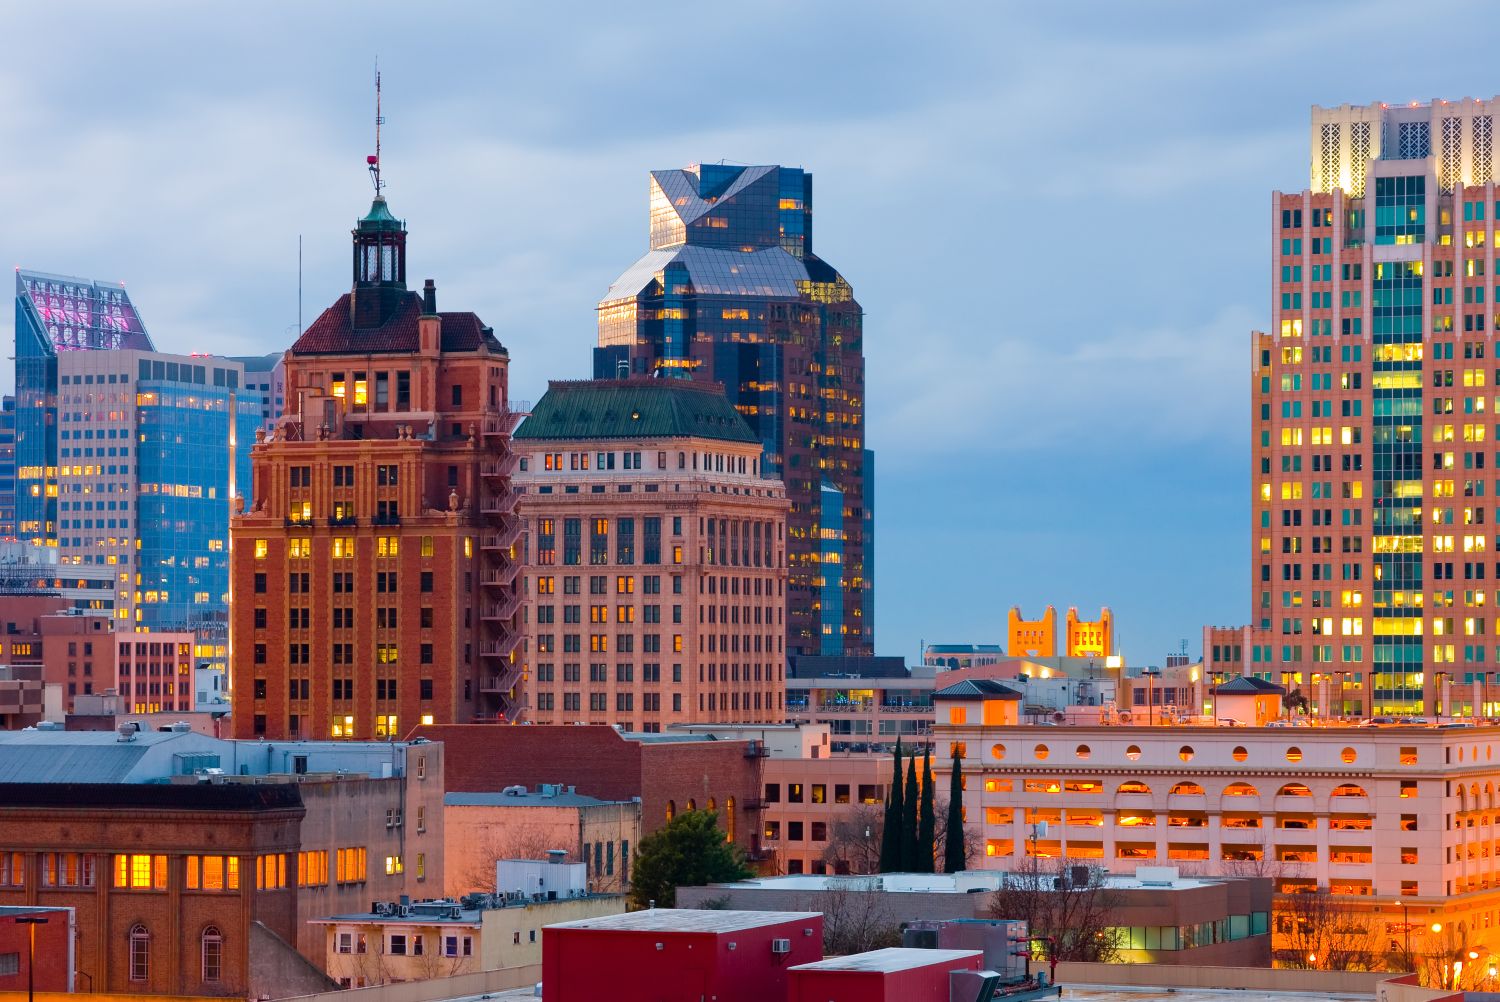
<point>729,825</point>
<point>213,954</point>
<point>692,803</point>
<point>1349,790</point>
<point>1294,790</point>
<point>1133,786</point>
<point>1240,790</point>
<point>671,809</point>
<point>1187,790</point>
<point>713,803</point>
<point>140,953</point>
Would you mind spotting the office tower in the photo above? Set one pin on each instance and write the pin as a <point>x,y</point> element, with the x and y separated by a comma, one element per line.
<point>731,291</point>
<point>8,467</point>
<point>266,375</point>
<point>374,579</point>
<point>1374,581</point>
<point>127,457</point>
<point>656,558</point>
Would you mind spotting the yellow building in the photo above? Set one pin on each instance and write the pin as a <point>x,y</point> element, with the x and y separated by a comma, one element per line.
<point>1081,638</point>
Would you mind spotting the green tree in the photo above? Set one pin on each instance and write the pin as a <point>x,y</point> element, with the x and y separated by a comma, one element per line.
<point>690,851</point>
<point>890,832</point>
<point>927,821</point>
<point>953,843</point>
<point>909,819</point>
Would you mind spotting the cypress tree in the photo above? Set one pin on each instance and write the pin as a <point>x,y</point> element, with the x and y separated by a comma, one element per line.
<point>953,844</point>
<point>927,821</point>
<point>890,832</point>
<point>909,819</point>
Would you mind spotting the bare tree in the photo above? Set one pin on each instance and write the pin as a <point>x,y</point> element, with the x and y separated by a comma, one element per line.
<point>854,841</point>
<point>973,841</point>
<point>857,916</point>
<point>1067,906</point>
<point>431,963</point>
<point>1326,932</point>
<point>517,841</point>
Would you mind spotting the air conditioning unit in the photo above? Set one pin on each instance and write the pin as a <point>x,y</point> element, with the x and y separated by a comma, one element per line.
<point>780,946</point>
<point>403,910</point>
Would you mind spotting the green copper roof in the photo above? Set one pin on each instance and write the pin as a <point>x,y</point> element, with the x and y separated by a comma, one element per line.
<point>379,217</point>
<point>635,408</point>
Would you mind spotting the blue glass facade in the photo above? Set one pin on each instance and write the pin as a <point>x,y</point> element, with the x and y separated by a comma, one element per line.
<point>193,457</point>
<point>7,467</point>
<point>731,291</point>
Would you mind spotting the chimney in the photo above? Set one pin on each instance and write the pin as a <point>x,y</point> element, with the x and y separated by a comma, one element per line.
<point>429,324</point>
<point>429,299</point>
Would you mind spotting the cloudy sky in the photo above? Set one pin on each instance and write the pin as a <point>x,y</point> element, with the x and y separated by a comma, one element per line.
<point>1054,215</point>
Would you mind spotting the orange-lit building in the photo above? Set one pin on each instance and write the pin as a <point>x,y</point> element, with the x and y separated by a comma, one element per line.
<point>374,580</point>
<point>1372,404</point>
<point>656,575</point>
<point>1081,638</point>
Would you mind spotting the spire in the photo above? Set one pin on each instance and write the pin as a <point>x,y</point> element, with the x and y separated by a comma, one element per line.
<point>379,249</point>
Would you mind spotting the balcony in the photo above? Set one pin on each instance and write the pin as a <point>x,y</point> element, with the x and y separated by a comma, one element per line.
<point>343,520</point>
<point>500,682</point>
<point>386,520</point>
<point>501,647</point>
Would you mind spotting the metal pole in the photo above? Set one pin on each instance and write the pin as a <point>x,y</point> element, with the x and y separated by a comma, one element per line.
<point>31,921</point>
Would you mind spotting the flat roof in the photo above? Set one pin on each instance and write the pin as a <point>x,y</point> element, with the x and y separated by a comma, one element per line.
<point>1145,878</point>
<point>707,920</point>
<point>889,960</point>
<point>529,799</point>
<point>1109,993</point>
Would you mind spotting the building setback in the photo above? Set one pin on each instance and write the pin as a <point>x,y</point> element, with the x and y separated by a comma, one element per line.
<point>731,292</point>
<point>656,551</point>
<point>375,579</point>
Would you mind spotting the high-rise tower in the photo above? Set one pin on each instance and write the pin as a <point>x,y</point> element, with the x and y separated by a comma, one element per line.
<point>375,578</point>
<point>1375,575</point>
<point>731,291</point>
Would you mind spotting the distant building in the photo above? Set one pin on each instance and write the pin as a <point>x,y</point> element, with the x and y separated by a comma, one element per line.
<point>647,509</point>
<point>446,937</point>
<point>128,458</point>
<point>669,772</point>
<point>1079,638</point>
<point>962,655</point>
<point>51,949</point>
<point>1161,916</point>
<point>375,577</point>
<point>367,823</point>
<point>481,828</point>
<point>731,292</point>
<point>867,703</point>
<point>7,467</point>
<point>266,375</point>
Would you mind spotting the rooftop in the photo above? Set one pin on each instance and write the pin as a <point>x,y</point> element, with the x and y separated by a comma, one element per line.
<point>528,798</point>
<point>689,920</point>
<point>633,409</point>
<point>333,333</point>
<point>966,882</point>
<point>970,688</point>
<point>890,960</point>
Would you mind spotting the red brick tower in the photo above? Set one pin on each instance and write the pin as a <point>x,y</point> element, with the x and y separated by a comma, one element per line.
<point>374,583</point>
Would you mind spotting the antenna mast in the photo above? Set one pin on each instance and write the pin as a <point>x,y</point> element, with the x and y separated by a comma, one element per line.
<point>374,161</point>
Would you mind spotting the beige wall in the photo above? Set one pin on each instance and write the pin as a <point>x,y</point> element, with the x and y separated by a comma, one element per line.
<point>435,990</point>
<point>1219,978</point>
<point>475,837</point>
<point>512,937</point>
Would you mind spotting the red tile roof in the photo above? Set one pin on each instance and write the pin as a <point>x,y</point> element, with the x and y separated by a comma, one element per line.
<point>333,334</point>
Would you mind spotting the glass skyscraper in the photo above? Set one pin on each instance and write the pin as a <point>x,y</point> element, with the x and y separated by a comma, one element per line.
<point>129,458</point>
<point>731,291</point>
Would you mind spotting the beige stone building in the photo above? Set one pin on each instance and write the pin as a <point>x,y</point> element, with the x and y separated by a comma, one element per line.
<point>655,551</point>
<point>1399,821</point>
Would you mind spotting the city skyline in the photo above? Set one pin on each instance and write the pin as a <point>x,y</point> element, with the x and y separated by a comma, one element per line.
<point>526,220</point>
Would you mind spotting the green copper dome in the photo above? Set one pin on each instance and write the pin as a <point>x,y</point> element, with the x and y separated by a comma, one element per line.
<point>379,217</point>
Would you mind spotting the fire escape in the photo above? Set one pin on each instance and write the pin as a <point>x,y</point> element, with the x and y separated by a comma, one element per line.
<point>499,568</point>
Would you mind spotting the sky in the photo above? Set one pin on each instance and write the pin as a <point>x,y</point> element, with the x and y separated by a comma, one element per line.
<point>1055,216</point>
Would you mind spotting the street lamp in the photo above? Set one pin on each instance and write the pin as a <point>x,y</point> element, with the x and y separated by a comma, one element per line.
<point>1149,674</point>
<point>31,922</point>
